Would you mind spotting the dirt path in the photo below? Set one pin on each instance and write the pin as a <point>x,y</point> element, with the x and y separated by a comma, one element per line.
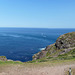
<point>22,70</point>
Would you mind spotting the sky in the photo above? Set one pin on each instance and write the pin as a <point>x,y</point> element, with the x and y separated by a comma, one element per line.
<point>37,13</point>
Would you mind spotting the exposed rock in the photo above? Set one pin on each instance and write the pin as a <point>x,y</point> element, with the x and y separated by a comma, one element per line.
<point>3,58</point>
<point>65,41</point>
<point>40,55</point>
<point>63,44</point>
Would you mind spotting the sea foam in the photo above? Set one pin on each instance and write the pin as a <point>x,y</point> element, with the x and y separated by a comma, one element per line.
<point>41,48</point>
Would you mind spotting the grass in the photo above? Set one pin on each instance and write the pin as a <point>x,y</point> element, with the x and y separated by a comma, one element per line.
<point>69,55</point>
<point>10,62</point>
<point>40,62</point>
<point>52,61</point>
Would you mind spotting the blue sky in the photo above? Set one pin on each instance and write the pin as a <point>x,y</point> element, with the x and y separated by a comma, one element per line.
<point>37,13</point>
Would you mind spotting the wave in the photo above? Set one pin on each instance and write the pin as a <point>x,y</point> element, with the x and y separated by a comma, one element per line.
<point>42,48</point>
<point>15,36</point>
<point>30,37</point>
<point>11,35</point>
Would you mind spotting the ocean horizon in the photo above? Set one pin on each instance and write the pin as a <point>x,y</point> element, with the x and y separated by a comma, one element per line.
<point>20,44</point>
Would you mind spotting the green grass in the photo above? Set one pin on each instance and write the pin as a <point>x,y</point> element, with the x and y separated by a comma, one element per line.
<point>69,55</point>
<point>66,56</point>
<point>10,62</point>
<point>50,63</point>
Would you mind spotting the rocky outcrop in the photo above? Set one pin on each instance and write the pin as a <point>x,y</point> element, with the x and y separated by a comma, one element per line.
<point>3,58</point>
<point>65,41</point>
<point>63,44</point>
<point>40,55</point>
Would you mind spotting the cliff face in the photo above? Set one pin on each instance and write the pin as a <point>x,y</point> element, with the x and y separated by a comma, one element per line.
<point>63,44</point>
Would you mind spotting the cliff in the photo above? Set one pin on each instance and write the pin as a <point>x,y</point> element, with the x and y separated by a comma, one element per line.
<point>64,45</point>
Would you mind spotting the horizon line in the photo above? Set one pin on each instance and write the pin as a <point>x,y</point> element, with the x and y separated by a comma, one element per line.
<point>37,27</point>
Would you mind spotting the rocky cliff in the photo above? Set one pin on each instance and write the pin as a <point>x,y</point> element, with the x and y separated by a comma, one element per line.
<point>64,44</point>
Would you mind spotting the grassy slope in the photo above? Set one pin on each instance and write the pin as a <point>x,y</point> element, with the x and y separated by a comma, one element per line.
<point>10,62</point>
<point>68,56</point>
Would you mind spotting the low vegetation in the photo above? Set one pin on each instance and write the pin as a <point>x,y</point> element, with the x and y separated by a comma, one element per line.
<point>10,62</point>
<point>67,56</point>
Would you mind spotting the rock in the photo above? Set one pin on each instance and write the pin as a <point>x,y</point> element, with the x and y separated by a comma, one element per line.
<point>39,55</point>
<point>3,58</point>
<point>65,41</point>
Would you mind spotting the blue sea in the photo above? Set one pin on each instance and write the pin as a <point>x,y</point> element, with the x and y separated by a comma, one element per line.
<point>22,43</point>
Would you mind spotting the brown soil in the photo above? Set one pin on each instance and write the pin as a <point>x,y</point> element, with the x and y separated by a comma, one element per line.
<point>46,70</point>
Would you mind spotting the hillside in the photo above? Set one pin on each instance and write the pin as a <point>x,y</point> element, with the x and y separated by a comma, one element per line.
<point>63,48</point>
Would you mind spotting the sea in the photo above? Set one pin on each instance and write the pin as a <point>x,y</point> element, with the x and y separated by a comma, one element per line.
<point>20,44</point>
